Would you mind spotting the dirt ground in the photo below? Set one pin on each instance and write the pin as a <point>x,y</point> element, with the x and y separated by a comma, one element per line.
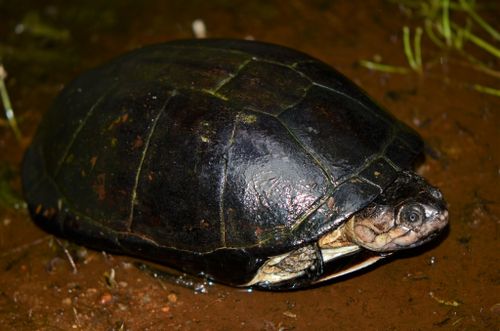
<point>452,284</point>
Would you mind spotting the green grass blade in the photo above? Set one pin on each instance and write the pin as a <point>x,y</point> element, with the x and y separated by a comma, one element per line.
<point>483,44</point>
<point>417,42</point>
<point>407,48</point>
<point>9,112</point>
<point>429,29</point>
<point>479,42</point>
<point>445,4</point>
<point>486,90</point>
<point>475,16</point>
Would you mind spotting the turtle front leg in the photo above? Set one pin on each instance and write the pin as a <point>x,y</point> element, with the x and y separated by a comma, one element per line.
<point>290,270</point>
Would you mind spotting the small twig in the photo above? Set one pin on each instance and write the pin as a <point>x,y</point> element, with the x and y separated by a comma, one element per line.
<point>384,67</point>
<point>75,313</point>
<point>452,303</point>
<point>109,277</point>
<point>68,255</point>
<point>25,246</point>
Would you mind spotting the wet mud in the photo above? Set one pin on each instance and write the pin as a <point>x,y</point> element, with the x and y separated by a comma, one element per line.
<point>450,284</point>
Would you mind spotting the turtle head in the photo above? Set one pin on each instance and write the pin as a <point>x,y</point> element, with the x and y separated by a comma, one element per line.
<point>408,213</point>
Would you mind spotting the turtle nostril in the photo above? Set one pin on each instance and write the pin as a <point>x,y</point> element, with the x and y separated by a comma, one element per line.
<point>436,193</point>
<point>444,216</point>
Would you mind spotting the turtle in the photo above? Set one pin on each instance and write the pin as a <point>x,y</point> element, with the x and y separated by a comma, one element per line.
<point>248,163</point>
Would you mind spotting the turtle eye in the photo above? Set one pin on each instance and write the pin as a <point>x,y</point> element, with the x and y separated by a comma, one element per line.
<point>412,214</point>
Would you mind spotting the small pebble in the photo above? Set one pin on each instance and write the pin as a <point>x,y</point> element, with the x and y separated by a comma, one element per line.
<point>91,290</point>
<point>165,309</point>
<point>122,307</point>
<point>82,253</point>
<point>105,298</point>
<point>172,298</point>
<point>146,298</point>
<point>66,301</point>
<point>199,29</point>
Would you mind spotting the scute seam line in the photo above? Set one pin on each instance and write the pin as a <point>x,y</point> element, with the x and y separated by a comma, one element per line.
<point>355,100</point>
<point>90,112</point>
<point>288,66</point>
<point>133,195</point>
<point>291,106</point>
<point>306,150</point>
<point>230,77</point>
<point>368,162</point>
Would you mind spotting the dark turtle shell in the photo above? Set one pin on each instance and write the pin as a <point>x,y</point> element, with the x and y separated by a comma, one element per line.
<point>210,155</point>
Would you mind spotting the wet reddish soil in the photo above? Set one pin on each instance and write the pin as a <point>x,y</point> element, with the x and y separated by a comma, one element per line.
<point>452,284</point>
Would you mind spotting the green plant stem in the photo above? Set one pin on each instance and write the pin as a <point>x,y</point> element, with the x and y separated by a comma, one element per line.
<point>416,46</point>
<point>483,44</point>
<point>429,29</point>
<point>478,65</point>
<point>446,21</point>
<point>486,90</point>
<point>407,48</point>
<point>472,13</point>
<point>9,112</point>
